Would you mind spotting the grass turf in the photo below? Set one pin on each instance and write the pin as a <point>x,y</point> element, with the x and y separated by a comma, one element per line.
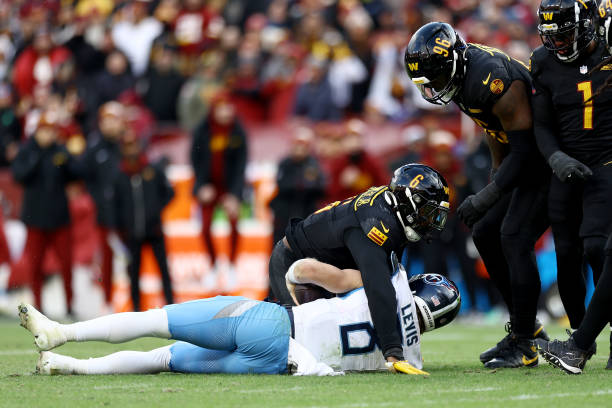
<point>451,356</point>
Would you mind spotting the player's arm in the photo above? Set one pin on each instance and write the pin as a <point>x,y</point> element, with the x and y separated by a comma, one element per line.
<point>562,165</point>
<point>372,261</point>
<point>327,276</point>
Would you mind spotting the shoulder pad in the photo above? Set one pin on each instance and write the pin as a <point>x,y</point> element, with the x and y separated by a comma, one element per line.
<point>377,220</point>
<point>537,60</point>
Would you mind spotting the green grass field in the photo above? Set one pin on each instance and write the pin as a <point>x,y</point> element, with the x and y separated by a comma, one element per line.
<point>451,356</point>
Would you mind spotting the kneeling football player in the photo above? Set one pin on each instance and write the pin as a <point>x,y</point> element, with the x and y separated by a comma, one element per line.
<point>238,335</point>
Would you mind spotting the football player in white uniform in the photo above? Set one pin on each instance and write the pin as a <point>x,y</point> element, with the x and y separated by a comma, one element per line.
<point>240,335</point>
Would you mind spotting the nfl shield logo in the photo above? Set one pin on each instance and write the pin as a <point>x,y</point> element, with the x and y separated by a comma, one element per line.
<point>584,69</point>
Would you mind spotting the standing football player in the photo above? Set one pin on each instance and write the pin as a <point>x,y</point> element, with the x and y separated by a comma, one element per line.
<point>509,214</point>
<point>573,121</point>
<point>238,335</point>
<point>360,233</point>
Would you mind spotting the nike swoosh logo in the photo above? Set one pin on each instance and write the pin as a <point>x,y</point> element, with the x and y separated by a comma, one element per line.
<point>384,228</point>
<point>486,81</point>
<point>527,362</point>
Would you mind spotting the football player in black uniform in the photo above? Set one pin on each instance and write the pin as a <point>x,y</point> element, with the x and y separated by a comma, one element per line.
<point>577,101</point>
<point>509,214</point>
<point>360,233</point>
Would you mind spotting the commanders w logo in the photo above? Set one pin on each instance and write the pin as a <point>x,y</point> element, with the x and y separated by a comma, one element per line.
<point>413,66</point>
<point>547,16</point>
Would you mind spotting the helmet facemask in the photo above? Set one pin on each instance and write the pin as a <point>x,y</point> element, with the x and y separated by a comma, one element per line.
<point>440,89</point>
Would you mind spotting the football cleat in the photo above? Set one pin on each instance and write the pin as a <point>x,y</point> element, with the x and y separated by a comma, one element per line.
<point>48,334</point>
<point>609,365</point>
<point>51,364</point>
<point>566,355</point>
<point>539,334</point>
<point>519,352</point>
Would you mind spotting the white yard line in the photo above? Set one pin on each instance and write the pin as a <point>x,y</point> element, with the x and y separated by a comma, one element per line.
<point>16,352</point>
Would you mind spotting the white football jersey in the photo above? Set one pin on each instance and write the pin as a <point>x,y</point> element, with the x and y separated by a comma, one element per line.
<point>339,331</point>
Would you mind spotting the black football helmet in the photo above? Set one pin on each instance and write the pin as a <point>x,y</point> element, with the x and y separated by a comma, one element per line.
<point>419,196</point>
<point>435,63</point>
<point>437,299</point>
<point>567,27</point>
<point>604,20</point>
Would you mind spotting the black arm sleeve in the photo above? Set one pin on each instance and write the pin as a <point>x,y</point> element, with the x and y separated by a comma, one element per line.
<point>373,263</point>
<point>200,155</point>
<point>543,117</point>
<point>522,149</point>
<point>25,165</point>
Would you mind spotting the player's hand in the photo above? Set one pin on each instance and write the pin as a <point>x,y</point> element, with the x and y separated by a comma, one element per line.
<point>468,213</point>
<point>567,168</point>
<point>404,367</point>
<point>291,288</point>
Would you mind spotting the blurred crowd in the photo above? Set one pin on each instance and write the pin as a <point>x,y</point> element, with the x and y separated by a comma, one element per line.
<point>87,85</point>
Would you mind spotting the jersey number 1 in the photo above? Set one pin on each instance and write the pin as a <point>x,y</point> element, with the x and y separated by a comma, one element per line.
<point>587,92</point>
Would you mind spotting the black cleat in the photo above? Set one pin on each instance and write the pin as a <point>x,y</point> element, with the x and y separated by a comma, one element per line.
<point>566,355</point>
<point>609,365</point>
<point>539,334</point>
<point>519,352</point>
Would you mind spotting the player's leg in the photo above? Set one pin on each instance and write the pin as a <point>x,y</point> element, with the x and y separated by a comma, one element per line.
<point>565,214</point>
<point>122,362</point>
<point>113,328</point>
<point>280,261</point>
<point>135,248</point>
<point>572,355</point>
<point>486,235</point>
<point>525,221</point>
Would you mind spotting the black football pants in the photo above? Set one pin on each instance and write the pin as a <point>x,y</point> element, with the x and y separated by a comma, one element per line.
<point>280,261</point>
<point>505,238</point>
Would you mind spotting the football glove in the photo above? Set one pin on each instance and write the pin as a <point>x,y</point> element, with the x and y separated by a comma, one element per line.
<point>474,207</point>
<point>567,168</point>
<point>404,367</point>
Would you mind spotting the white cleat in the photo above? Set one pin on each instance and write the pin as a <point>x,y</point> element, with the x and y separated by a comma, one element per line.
<point>47,333</point>
<point>52,364</point>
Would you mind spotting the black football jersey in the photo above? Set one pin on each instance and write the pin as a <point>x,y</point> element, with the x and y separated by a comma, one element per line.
<point>488,75</point>
<point>322,234</point>
<point>583,128</point>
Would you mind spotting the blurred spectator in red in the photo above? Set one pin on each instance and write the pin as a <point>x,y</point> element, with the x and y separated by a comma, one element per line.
<point>37,63</point>
<point>355,170</point>
<point>142,191</point>
<point>44,167</point>
<point>218,157</point>
<point>314,99</point>
<point>113,80</point>
<point>197,26</point>
<point>101,169</point>
<point>134,34</point>
<point>300,182</point>
<point>163,83</point>
<point>10,129</point>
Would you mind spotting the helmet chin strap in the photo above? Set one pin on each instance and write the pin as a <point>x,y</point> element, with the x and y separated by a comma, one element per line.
<point>411,234</point>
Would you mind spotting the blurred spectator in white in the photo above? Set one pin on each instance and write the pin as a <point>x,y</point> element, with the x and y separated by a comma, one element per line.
<point>163,83</point>
<point>300,182</point>
<point>197,26</point>
<point>7,51</point>
<point>134,34</point>
<point>345,70</point>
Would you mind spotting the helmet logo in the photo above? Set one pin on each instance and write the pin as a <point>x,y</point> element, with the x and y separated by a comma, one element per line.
<point>438,280</point>
<point>413,66</point>
<point>547,16</point>
<point>415,181</point>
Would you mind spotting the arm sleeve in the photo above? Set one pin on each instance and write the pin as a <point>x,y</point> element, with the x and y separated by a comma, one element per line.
<point>543,116</point>
<point>236,180</point>
<point>521,151</point>
<point>373,264</point>
<point>200,155</point>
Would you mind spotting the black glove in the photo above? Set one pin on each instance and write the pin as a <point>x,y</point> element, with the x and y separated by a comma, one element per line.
<point>474,207</point>
<point>567,168</point>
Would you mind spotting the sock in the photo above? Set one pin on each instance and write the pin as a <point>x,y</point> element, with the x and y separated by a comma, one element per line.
<point>122,362</point>
<point>120,327</point>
